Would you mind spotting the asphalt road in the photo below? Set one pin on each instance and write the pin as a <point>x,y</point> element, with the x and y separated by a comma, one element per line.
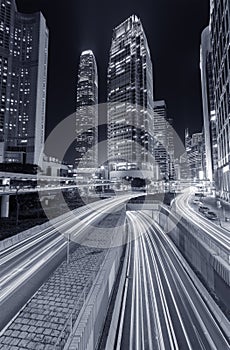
<point>217,236</point>
<point>162,307</point>
<point>26,265</point>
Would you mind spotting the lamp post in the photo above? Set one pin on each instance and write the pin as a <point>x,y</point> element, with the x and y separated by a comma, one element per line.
<point>68,243</point>
<point>17,205</point>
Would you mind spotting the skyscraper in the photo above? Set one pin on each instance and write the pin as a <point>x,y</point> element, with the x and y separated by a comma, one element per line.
<point>23,78</point>
<point>209,114</point>
<point>171,147</point>
<point>220,34</point>
<point>130,99</point>
<point>161,138</point>
<point>196,159</point>
<point>87,112</point>
<point>7,13</point>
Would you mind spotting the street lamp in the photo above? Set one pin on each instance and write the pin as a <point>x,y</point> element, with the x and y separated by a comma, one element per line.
<point>17,204</point>
<point>68,250</point>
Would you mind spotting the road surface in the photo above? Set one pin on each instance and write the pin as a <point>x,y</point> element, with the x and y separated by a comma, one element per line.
<point>162,307</point>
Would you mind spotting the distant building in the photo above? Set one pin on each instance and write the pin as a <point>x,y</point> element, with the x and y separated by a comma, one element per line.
<point>87,112</point>
<point>182,168</point>
<point>195,149</point>
<point>220,33</point>
<point>171,148</point>
<point>23,79</point>
<point>130,101</point>
<point>161,138</point>
<point>163,141</point>
<point>209,114</point>
<point>53,167</point>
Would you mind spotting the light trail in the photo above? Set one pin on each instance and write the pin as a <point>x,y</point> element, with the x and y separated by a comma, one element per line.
<point>22,261</point>
<point>167,308</point>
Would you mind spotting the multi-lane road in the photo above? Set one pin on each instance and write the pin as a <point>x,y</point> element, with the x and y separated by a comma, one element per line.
<point>215,235</point>
<point>162,307</point>
<point>27,264</point>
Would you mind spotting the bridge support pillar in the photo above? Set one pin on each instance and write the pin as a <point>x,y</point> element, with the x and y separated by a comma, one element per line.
<point>5,206</point>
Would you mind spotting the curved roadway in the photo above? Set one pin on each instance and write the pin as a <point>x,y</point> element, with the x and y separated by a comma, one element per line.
<point>162,307</point>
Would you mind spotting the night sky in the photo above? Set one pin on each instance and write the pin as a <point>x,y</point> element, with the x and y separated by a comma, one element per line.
<point>172,27</point>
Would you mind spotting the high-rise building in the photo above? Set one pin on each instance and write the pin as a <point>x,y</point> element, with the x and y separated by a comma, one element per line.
<point>87,112</point>
<point>163,141</point>
<point>195,149</point>
<point>209,114</point>
<point>23,79</point>
<point>161,138</point>
<point>171,148</point>
<point>220,38</point>
<point>130,100</point>
<point>7,13</point>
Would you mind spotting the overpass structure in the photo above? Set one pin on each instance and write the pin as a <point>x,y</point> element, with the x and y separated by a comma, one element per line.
<point>40,183</point>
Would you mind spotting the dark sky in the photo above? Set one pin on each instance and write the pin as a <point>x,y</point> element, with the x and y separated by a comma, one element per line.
<point>172,27</point>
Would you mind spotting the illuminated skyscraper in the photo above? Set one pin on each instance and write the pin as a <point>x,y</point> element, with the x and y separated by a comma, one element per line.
<point>161,138</point>
<point>209,114</point>
<point>87,112</point>
<point>171,147</point>
<point>220,38</point>
<point>7,13</point>
<point>23,65</point>
<point>130,99</point>
<point>195,149</point>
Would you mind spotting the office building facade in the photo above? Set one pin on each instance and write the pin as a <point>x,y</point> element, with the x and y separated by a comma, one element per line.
<point>196,158</point>
<point>171,148</point>
<point>161,141</point>
<point>209,114</point>
<point>220,38</point>
<point>130,99</point>
<point>23,84</point>
<point>87,112</point>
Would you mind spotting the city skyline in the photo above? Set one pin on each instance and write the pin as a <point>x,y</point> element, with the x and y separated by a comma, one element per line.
<point>114,231</point>
<point>173,55</point>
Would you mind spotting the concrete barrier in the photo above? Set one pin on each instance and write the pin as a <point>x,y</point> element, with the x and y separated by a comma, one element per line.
<point>9,242</point>
<point>19,237</point>
<point>212,266</point>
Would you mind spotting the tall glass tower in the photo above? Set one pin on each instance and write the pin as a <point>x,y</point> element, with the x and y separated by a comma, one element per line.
<point>161,151</point>
<point>87,112</point>
<point>209,114</point>
<point>7,14</point>
<point>220,33</point>
<point>130,98</point>
<point>23,77</point>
